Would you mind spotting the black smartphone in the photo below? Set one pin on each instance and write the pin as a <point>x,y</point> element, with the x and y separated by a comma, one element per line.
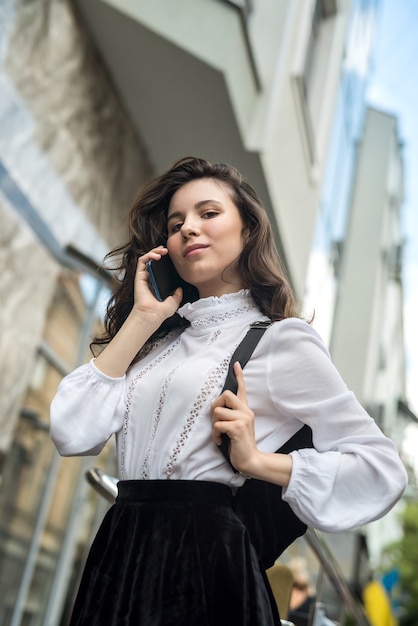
<point>164,277</point>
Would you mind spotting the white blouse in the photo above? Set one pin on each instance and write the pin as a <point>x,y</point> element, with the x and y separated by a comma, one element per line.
<point>160,414</point>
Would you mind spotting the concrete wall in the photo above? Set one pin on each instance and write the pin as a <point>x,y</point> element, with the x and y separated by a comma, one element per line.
<point>260,65</point>
<point>365,324</point>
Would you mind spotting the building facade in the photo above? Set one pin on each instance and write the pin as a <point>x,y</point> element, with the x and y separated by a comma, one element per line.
<point>367,340</point>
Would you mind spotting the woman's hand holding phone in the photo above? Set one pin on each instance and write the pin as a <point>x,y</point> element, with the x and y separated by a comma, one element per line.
<point>145,298</point>
<point>164,277</point>
<point>146,316</point>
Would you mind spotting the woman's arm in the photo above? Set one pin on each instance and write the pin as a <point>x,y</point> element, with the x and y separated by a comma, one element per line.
<point>353,475</point>
<point>89,403</point>
<point>86,411</point>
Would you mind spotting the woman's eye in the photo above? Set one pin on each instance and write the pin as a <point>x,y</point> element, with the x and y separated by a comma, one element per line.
<point>175,228</point>
<point>209,214</point>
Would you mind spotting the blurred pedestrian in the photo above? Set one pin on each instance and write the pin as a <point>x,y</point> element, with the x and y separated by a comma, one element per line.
<point>302,598</point>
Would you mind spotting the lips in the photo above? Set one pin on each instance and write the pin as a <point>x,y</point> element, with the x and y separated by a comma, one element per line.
<point>193,248</point>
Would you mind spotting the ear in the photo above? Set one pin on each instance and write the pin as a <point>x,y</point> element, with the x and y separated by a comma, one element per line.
<point>245,234</point>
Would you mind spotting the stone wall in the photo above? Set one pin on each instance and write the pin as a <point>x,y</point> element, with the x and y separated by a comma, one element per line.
<point>68,144</point>
<point>27,282</point>
<point>81,125</point>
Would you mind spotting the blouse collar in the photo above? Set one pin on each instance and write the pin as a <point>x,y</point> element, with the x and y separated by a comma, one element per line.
<point>209,313</point>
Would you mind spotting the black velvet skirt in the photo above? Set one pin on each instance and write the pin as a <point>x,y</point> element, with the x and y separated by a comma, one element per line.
<point>173,553</point>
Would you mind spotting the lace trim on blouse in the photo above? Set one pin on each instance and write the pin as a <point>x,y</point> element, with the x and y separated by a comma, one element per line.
<point>129,395</point>
<point>212,320</point>
<point>155,421</point>
<point>205,395</point>
<point>213,311</point>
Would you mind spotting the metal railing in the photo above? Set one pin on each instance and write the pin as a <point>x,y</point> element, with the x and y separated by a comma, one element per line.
<point>350,606</point>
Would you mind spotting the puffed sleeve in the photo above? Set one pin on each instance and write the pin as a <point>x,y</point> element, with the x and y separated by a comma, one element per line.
<point>354,474</point>
<point>86,411</point>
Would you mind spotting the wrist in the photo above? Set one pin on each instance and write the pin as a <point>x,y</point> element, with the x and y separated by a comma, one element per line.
<point>269,466</point>
<point>252,466</point>
<point>117,356</point>
<point>146,319</point>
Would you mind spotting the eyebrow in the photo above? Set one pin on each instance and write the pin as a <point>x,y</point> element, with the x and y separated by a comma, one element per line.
<point>197,206</point>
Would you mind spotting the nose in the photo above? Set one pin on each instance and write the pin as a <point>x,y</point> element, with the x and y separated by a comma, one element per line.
<point>190,227</point>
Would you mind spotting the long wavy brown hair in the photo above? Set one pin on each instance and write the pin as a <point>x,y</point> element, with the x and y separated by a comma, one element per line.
<point>259,263</point>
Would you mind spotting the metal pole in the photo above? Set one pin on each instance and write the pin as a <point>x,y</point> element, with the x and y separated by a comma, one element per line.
<point>63,569</point>
<point>30,563</point>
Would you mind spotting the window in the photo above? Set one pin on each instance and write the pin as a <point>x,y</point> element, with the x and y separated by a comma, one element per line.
<point>310,76</point>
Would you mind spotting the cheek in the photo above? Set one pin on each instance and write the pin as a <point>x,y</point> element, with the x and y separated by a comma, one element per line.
<point>239,234</point>
<point>228,229</point>
<point>172,245</point>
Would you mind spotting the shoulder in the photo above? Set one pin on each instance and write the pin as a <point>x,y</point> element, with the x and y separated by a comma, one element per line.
<point>295,334</point>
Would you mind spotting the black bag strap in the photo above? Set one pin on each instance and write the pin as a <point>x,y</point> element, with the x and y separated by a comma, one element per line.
<point>242,354</point>
<point>271,523</point>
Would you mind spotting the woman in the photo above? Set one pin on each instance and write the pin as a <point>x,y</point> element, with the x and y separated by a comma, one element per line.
<point>172,550</point>
<point>302,599</point>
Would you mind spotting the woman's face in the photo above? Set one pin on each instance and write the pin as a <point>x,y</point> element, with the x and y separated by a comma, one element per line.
<point>205,237</point>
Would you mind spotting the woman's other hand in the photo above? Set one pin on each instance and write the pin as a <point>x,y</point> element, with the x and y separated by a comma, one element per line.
<point>232,415</point>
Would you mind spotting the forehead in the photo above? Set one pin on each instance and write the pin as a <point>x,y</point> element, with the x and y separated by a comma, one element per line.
<point>199,190</point>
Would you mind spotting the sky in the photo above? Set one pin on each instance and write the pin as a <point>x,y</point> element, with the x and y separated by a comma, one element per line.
<point>394,88</point>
